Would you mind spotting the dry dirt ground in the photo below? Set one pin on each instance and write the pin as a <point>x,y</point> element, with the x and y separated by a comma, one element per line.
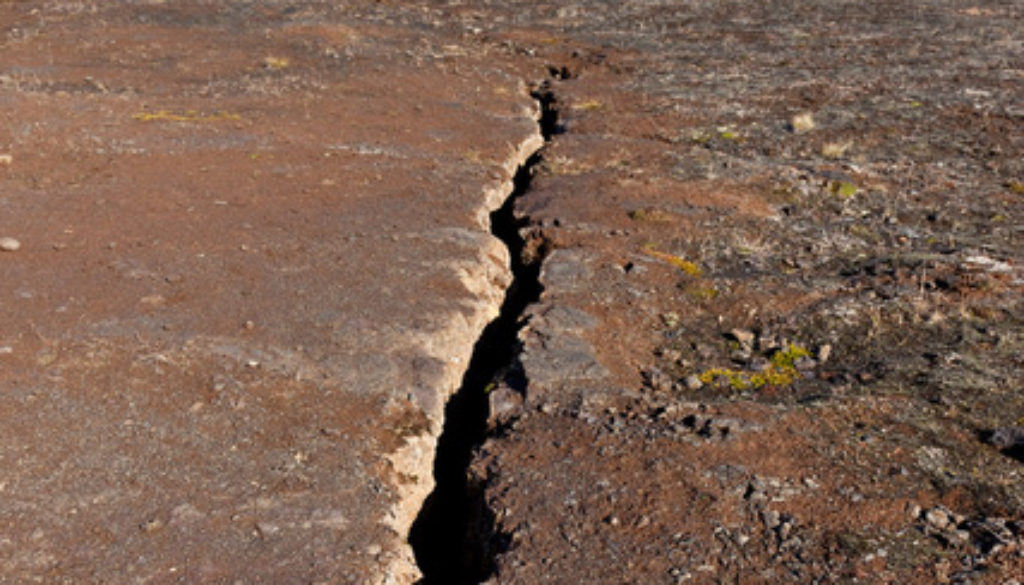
<point>781,334</point>
<point>246,256</point>
<point>781,330</point>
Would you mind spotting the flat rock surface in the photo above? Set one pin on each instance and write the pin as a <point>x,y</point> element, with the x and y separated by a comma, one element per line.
<point>779,338</point>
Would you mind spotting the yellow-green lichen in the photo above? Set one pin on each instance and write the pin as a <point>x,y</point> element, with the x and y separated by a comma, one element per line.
<point>703,292</point>
<point>276,63</point>
<point>781,371</point>
<point>186,116</point>
<point>650,214</point>
<point>680,263</point>
<point>588,106</point>
<point>843,189</point>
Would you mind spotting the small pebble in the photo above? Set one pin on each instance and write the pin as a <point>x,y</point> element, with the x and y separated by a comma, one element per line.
<point>6,159</point>
<point>746,338</point>
<point>802,122</point>
<point>785,529</point>
<point>824,352</point>
<point>693,382</point>
<point>914,510</point>
<point>266,529</point>
<point>937,518</point>
<point>9,244</point>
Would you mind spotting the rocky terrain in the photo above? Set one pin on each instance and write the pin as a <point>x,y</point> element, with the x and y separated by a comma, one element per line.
<point>762,323</point>
<point>780,333</point>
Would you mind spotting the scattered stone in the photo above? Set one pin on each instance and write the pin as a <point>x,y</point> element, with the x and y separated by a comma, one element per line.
<point>693,382</point>
<point>670,319</point>
<point>802,122</point>
<point>266,529</point>
<point>937,518</point>
<point>914,511</point>
<point>669,354</point>
<point>504,404</point>
<point>755,491</point>
<point>1007,437</point>
<point>836,150</point>
<point>8,244</point>
<point>824,351</point>
<point>6,159</point>
<point>767,342</point>
<point>785,529</point>
<point>657,379</point>
<point>744,337</point>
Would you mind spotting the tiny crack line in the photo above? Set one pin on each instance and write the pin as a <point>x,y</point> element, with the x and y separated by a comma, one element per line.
<point>454,536</point>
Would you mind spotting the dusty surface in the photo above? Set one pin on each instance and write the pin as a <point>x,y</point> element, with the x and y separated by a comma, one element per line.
<point>779,341</point>
<point>253,260</point>
<point>780,338</point>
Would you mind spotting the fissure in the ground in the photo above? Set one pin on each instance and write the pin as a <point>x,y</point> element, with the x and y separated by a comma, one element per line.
<point>453,537</point>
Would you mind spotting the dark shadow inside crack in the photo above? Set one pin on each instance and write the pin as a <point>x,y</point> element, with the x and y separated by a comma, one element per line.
<point>453,537</point>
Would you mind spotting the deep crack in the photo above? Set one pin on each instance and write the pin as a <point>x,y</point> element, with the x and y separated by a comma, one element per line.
<point>453,537</point>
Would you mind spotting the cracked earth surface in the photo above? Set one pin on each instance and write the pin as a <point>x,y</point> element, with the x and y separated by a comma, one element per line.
<point>779,337</point>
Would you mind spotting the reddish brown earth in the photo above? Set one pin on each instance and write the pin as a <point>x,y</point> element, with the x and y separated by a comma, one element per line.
<point>768,352</point>
<point>253,262</point>
<point>779,340</point>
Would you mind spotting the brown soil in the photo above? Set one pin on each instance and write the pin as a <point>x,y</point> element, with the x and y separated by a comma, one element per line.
<point>780,337</point>
<point>781,333</point>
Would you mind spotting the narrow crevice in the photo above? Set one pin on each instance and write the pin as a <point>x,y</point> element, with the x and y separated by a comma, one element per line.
<point>453,537</point>
<point>549,122</point>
